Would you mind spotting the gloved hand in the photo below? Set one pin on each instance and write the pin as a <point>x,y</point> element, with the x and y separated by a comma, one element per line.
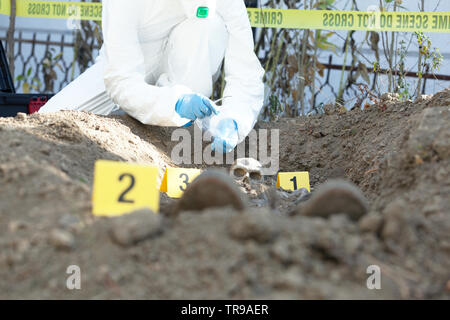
<point>225,136</point>
<point>193,106</point>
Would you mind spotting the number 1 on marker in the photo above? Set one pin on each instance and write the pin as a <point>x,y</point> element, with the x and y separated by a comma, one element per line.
<point>294,181</point>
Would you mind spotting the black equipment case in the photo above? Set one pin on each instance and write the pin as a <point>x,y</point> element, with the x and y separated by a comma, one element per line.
<point>11,102</point>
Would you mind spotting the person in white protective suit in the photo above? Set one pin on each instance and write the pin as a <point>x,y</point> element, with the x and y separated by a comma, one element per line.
<point>159,61</point>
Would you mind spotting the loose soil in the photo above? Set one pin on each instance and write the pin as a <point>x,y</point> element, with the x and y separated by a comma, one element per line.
<point>397,153</point>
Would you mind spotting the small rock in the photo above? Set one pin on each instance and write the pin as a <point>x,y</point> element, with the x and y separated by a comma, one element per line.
<point>442,174</point>
<point>423,97</point>
<point>13,258</point>
<point>62,239</point>
<point>390,97</point>
<point>418,159</point>
<point>257,225</point>
<point>394,219</point>
<point>135,227</point>
<point>21,116</point>
<point>445,245</point>
<point>37,238</point>
<point>23,246</point>
<point>339,222</point>
<point>330,109</point>
<point>434,205</point>
<point>371,223</point>
<point>351,245</point>
<point>53,284</point>
<point>291,280</point>
<point>272,198</point>
<point>281,252</point>
<point>15,226</point>
<point>15,143</point>
<point>46,150</point>
<point>69,222</point>
<point>300,195</point>
<point>442,143</point>
<point>103,272</point>
<point>317,134</point>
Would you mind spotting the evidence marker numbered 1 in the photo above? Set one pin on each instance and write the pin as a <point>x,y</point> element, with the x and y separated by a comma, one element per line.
<point>293,181</point>
<point>176,181</point>
<point>121,188</point>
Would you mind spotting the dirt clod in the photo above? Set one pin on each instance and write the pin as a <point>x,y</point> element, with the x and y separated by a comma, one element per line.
<point>254,225</point>
<point>371,223</point>
<point>335,197</point>
<point>15,226</point>
<point>211,189</point>
<point>395,219</point>
<point>132,228</point>
<point>21,116</point>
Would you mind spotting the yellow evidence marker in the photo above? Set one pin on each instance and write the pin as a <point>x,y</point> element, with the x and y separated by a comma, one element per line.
<point>293,181</point>
<point>120,188</point>
<point>176,180</point>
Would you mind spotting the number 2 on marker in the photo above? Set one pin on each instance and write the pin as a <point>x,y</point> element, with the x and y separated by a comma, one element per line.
<point>121,187</point>
<point>130,187</point>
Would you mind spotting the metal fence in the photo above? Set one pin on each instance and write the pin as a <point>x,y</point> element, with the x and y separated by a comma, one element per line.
<point>47,60</point>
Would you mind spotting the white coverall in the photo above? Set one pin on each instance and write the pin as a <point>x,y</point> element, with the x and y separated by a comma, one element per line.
<point>155,51</point>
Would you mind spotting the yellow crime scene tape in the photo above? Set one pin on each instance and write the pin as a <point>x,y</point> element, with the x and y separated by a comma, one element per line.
<point>54,9</point>
<point>351,20</point>
<point>264,18</point>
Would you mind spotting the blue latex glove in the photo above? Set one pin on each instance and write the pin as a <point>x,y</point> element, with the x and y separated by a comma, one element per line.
<point>225,136</point>
<point>193,106</point>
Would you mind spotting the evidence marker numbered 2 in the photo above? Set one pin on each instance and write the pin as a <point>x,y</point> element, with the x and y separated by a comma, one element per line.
<point>121,188</point>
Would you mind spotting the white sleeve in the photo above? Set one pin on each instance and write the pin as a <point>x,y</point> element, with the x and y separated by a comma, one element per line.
<point>243,71</point>
<point>124,74</point>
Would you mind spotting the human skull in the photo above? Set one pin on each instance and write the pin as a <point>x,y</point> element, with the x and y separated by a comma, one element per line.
<point>247,170</point>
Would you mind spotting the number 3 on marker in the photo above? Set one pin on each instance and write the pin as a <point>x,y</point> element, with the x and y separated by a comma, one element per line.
<point>176,181</point>
<point>124,187</point>
<point>185,178</point>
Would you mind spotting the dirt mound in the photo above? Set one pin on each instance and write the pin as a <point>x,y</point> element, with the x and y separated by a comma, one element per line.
<point>397,153</point>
